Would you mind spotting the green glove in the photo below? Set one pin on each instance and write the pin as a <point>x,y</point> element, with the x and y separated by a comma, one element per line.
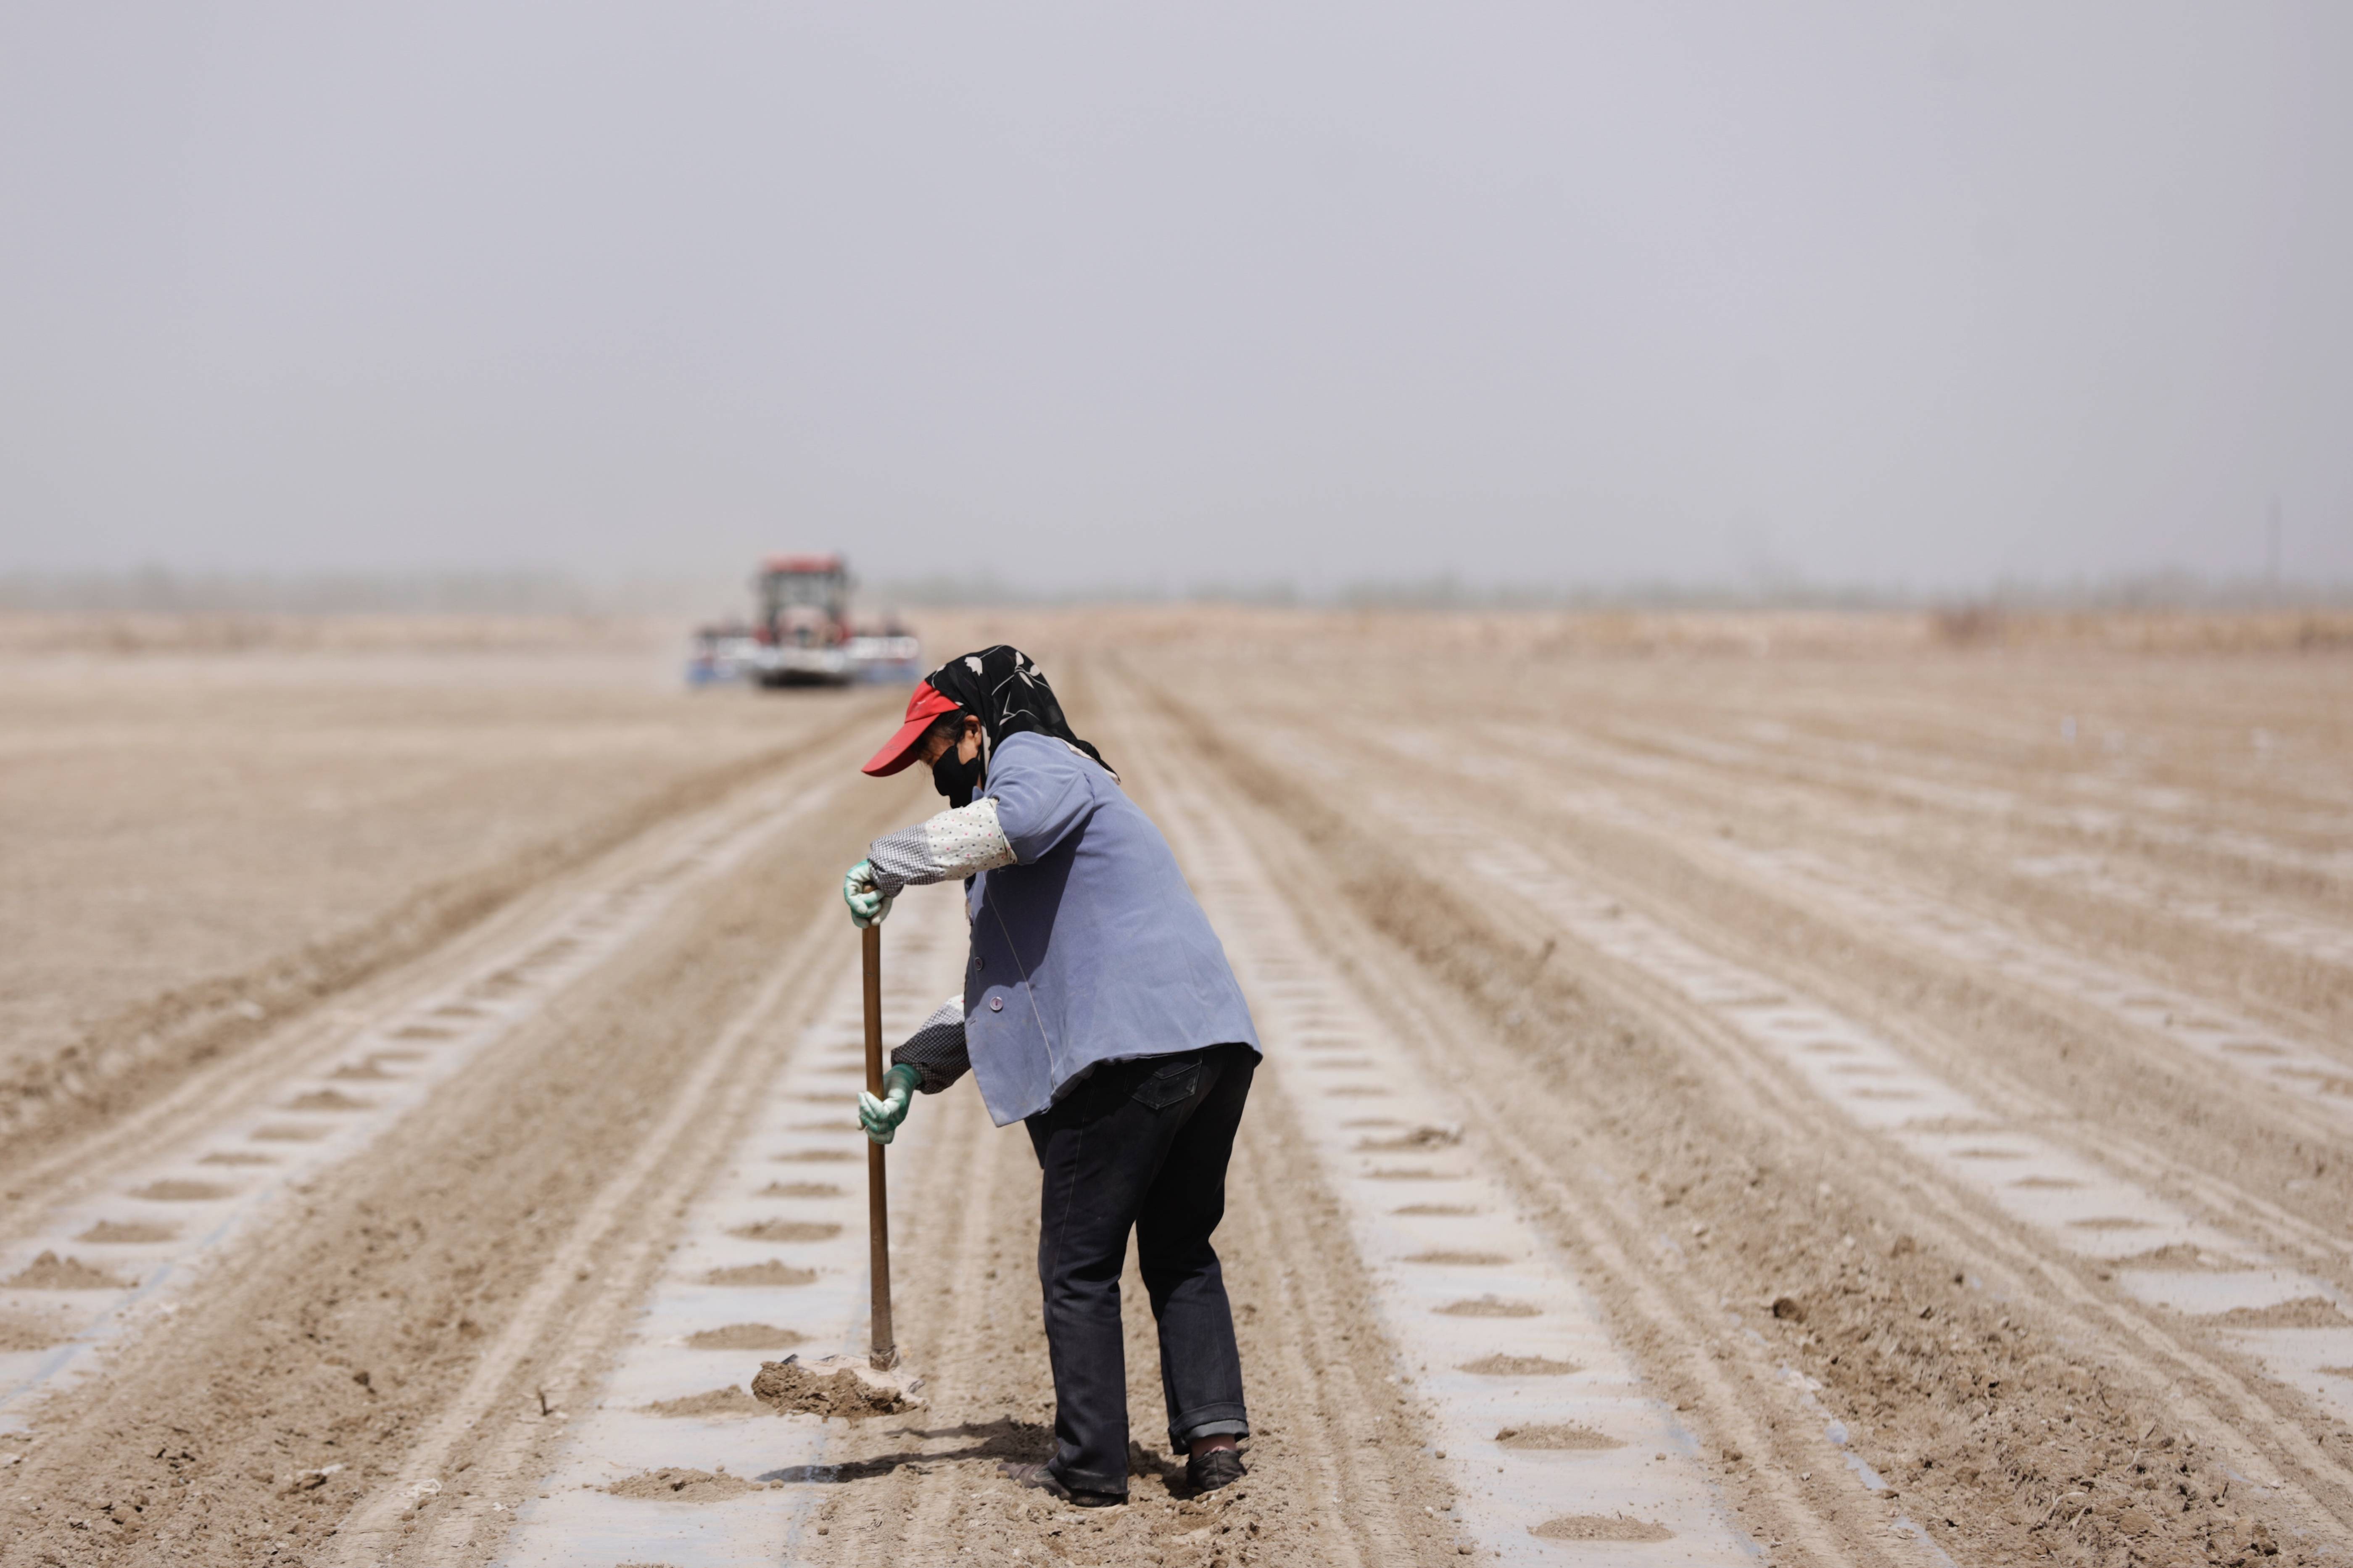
<point>880,1117</point>
<point>868,904</point>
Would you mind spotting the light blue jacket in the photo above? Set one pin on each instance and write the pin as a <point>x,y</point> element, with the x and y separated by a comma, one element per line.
<point>1090,948</point>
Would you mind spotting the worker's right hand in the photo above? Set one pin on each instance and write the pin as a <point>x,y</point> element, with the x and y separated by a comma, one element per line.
<point>880,1117</point>
<point>868,905</point>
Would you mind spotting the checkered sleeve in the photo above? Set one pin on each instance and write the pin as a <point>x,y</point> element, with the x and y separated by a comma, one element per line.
<point>936,1048</point>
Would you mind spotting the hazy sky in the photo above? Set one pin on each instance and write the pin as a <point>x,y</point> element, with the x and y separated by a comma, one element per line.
<point>1544,294</point>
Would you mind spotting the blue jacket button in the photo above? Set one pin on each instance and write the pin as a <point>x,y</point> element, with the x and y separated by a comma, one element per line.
<point>997,1004</point>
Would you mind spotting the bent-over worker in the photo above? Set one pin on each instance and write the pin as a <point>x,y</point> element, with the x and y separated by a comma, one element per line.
<point>1098,1009</point>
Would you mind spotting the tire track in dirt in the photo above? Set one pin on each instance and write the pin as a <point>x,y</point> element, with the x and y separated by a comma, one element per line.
<point>2087,854</point>
<point>1439,1261</point>
<point>669,1401</point>
<point>1760,1443</point>
<point>1722,1105</point>
<point>2099,1217</point>
<point>123,1063</point>
<point>1746,889</point>
<point>298,1372</point>
<point>552,1337</point>
<point>160,1212</point>
<point>1690,857</point>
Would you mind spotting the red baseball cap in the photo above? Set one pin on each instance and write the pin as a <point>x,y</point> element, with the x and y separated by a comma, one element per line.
<point>924,709</point>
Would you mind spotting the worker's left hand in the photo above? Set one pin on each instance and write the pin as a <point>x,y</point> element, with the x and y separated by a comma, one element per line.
<point>868,905</point>
<point>880,1117</point>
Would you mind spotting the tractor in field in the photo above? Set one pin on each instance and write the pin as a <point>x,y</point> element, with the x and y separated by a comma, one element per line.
<point>801,633</point>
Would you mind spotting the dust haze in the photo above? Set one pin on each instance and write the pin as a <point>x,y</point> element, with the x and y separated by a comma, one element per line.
<point>1910,298</point>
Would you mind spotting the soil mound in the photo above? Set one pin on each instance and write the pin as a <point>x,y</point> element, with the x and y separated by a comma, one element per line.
<point>1420,1138</point>
<point>18,1334</point>
<point>326,1099</point>
<point>1599,1527</point>
<point>183,1192</point>
<point>729,1401</point>
<point>2303,1313</point>
<point>366,1071</point>
<point>671,1485</point>
<point>1563,1436</point>
<point>834,1385</point>
<point>1520,1367</point>
<point>771,1272</point>
<point>788,1230</point>
<point>122,1231</point>
<point>798,1190</point>
<point>1488,1307</point>
<point>745,1337</point>
<point>50,1272</point>
<point>2182,1256</point>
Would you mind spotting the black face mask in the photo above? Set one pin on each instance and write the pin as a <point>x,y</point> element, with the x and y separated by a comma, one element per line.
<point>956,780</point>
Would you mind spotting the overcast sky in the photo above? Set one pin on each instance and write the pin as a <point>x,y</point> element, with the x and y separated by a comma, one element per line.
<point>1546,294</point>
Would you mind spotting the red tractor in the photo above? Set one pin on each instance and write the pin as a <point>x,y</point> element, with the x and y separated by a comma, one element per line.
<point>801,633</point>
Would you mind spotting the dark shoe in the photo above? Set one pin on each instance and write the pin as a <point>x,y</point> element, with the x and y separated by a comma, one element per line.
<point>1043,1477</point>
<point>1214,1468</point>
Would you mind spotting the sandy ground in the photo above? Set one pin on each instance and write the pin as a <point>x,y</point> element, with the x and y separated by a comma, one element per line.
<point>1905,1062</point>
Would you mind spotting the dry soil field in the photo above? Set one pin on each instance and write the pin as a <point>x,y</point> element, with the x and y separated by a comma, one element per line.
<point>1739,1090</point>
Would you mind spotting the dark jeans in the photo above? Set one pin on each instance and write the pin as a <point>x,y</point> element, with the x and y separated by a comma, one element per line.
<point>1141,1144</point>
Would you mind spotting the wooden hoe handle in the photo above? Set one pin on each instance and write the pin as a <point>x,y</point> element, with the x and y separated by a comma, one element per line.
<point>878,1199</point>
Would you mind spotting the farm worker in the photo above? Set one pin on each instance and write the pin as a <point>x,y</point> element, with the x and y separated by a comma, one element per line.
<point>1098,1009</point>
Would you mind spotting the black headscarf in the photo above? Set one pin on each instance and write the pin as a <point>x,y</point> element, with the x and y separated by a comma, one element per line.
<point>1004,688</point>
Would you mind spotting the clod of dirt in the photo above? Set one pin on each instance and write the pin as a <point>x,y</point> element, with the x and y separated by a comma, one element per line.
<point>173,1191</point>
<point>798,1190</point>
<point>1455,1211</point>
<point>1953,1124</point>
<point>1406,1173</point>
<point>1520,1367</point>
<point>833,1385</point>
<point>237,1157</point>
<point>1489,1307</point>
<point>19,1333</point>
<point>354,1072</point>
<point>421,1032</point>
<point>2182,1258</point>
<point>729,1401</point>
<point>771,1272</point>
<point>125,1232</point>
<point>670,1485</point>
<point>284,1134</point>
<point>326,1099</point>
<point>745,1337</point>
<point>2303,1313</point>
<point>1568,1436</point>
<point>1460,1259</point>
<point>1419,1138</point>
<point>1598,1527</point>
<point>1789,1309</point>
<point>50,1272</point>
<point>815,1157</point>
<point>788,1230</point>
